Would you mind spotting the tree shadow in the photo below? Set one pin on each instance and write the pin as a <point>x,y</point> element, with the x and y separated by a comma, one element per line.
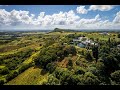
<point>90,60</point>
<point>36,67</point>
<point>43,72</point>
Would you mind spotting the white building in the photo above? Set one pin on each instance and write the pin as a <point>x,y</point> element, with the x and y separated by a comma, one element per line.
<point>104,33</point>
<point>81,38</point>
<point>76,40</point>
<point>118,46</point>
<point>85,42</point>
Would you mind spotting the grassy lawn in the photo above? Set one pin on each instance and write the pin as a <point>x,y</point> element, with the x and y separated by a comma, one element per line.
<point>30,59</point>
<point>1,66</point>
<point>31,76</point>
<point>97,35</point>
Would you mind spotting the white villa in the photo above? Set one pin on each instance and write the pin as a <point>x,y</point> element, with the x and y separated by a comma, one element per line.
<point>104,33</point>
<point>76,40</point>
<point>80,39</point>
<point>84,41</point>
<point>118,46</point>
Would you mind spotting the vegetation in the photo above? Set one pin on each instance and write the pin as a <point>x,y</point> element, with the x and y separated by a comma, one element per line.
<point>52,58</point>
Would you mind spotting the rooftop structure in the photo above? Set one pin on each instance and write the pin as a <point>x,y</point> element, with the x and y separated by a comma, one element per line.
<point>105,33</point>
<point>84,41</point>
<point>118,46</point>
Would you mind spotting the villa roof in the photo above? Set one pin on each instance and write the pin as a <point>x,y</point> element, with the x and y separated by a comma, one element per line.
<point>118,45</point>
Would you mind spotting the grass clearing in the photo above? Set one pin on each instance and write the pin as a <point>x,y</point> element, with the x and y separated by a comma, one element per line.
<point>31,76</point>
<point>1,66</point>
<point>30,59</point>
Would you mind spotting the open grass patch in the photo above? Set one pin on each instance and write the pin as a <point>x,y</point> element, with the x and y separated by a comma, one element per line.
<point>31,76</point>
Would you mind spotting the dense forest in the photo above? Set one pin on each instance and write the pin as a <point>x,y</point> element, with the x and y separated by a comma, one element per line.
<point>54,58</point>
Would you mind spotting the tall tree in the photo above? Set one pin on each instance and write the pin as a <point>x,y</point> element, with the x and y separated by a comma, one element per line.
<point>119,35</point>
<point>95,52</point>
<point>109,42</point>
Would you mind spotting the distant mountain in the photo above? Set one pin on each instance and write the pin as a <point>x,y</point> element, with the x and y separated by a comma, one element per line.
<point>86,30</point>
<point>63,30</point>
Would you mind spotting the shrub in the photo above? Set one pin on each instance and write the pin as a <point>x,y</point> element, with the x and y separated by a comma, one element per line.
<point>88,56</point>
<point>92,69</point>
<point>101,68</point>
<point>74,80</point>
<point>110,63</point>
<point>82,52</point>
<point>2,81</point>
<point>52,81</point>
<point>51,67</point>
<point>119,35</point>
<point>78,62</point>
<point>4,71</point>
<point>70,63</point>
<point>62,75</point>
<point>90,79</point>
<point>64,78</point>
<point>69,50</point>
<point>116,76</point>
<point>79,70</point>
<point>24,67</point>
<point>11,75</point>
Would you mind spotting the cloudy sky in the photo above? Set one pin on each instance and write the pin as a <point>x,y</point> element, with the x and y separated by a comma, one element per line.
<point>59,16</point>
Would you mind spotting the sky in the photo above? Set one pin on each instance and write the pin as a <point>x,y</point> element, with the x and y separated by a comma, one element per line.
<point>48,17</point>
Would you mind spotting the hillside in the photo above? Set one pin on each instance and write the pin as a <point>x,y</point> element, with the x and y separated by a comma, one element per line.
<point>56,58</point>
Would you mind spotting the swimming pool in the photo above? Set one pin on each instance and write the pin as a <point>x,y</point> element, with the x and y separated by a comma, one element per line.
<point>81,45</point>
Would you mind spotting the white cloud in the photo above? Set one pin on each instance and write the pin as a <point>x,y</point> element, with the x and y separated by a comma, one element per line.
<point>3,5</point>
<point>15,17</point>
<point>71,17</point>
<point>90,21</point>
<point>4,17</point>
<point>101,7</point>
<point>97,23</point>
<point>61,18</point>
<point>25,19</point>
<point>117,18</point>
<point>81,10</point>
<point>19,17</point>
